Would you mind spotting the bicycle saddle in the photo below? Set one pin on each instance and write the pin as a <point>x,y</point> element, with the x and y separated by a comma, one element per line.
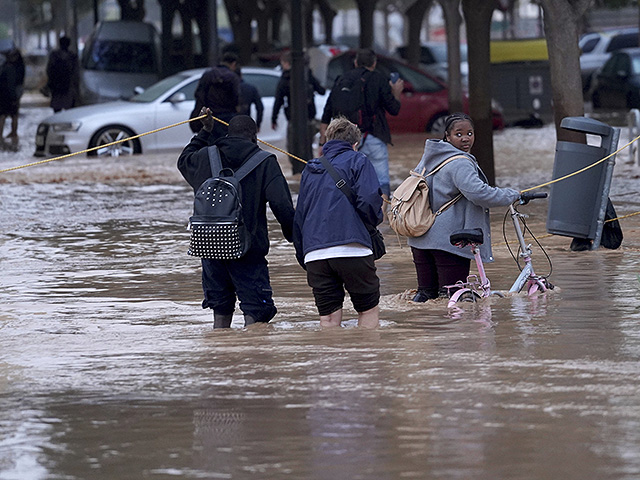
<point>462,238</point>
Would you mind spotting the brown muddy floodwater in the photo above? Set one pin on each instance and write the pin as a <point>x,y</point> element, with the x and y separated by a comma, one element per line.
<point>110,369</point>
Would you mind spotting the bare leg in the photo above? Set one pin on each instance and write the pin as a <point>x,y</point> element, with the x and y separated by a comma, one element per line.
<point>369,318</point>
<point>332,320</point>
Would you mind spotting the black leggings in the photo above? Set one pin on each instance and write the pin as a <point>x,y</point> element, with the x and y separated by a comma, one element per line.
<point>437,268</point>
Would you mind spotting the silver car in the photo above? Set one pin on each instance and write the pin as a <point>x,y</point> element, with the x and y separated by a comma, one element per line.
<point>165,103</point>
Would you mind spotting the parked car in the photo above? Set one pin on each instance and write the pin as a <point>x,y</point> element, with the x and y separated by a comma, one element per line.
<point>433,60</point>
<point>167,102</point>
<point>425,103</point>
<point>617,83</point>
<point>596,48</point>
<point>118,57</point>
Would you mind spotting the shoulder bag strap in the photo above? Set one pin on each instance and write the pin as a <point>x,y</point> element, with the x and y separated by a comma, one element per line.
<point>214,160</point>
<point>255,160</point>
<point>341,183</point>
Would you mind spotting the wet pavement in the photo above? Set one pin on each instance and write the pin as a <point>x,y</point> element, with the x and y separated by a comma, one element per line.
<point>110,369</point>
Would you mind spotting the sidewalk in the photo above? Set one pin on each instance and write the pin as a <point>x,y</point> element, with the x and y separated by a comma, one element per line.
<point>33,98</point>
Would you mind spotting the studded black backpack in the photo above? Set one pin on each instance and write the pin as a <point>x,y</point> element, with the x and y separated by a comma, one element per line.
<point>217,227</point>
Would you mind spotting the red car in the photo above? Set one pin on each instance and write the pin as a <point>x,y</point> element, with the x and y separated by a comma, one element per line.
<point>424,100</point>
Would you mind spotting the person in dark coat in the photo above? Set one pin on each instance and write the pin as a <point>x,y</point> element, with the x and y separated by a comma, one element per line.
<point>381,97</point>
<point>330,236</point>
<point>248,96</point>
<point>11,87</point>
<point>248,277</point>
<point>283,98</point>
<point>218,90</point>
<point>63,76</point>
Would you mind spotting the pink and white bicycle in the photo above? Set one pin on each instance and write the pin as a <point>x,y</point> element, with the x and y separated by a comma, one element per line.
<point>478,286</point>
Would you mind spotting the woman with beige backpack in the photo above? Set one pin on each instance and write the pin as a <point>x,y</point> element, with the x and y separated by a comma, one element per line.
<point>461,183</point>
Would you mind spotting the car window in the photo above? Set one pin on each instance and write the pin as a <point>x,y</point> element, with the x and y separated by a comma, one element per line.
<point>265,83</point>
<point>419,81</point>
<point>438,52</point>
<point>590,44</point>
<point>160,88</point>
<point>610,66</point>
<point>624,64</point>
<point>112,56</point>
<point>635,65</point>
<point>626,40</point>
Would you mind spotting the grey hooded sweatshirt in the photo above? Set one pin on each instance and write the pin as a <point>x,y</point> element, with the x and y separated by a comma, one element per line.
<point>462,175</point>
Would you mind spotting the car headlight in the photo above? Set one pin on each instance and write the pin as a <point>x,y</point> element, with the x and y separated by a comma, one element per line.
<point>66,126</point>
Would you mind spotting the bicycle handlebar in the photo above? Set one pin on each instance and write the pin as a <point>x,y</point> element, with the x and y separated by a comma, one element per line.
<point>526,197</point>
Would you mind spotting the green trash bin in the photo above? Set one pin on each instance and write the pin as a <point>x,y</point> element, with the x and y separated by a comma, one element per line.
<point>577,204</point>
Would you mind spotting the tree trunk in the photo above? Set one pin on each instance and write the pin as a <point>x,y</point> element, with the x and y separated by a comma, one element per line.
<point>562,28</point>
<point>415,16</point>
<point>478,21</point>
<point>328,14</point>
<point>366,8</point>
<point>452,21</point>
<point>276,22</point>
<point>240,16</point>
<point>132,10</point>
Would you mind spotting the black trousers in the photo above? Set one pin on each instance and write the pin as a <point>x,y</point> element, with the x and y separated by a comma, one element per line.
<point>437,268</point>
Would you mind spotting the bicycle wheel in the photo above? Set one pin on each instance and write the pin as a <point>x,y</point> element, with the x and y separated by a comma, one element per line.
<point>469,296</point>
<point>536,286</point>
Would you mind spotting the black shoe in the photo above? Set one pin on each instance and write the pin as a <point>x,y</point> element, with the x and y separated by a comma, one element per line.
<point>423,295</point>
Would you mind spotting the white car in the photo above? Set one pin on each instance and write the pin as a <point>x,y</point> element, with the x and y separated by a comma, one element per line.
<point>165,103</point>
<point>597,47</point>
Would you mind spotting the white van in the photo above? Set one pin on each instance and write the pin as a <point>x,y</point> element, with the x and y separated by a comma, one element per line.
<point>118,57</point>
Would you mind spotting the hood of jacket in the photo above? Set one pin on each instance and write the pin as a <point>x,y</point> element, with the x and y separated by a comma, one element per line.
<point>235,150</point>
<point>436,152</point>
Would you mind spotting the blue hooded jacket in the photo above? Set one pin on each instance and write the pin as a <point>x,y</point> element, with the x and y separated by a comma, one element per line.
<point>324,215</point>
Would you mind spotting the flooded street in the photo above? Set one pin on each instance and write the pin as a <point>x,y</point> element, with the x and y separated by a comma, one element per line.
<point>110,369</point>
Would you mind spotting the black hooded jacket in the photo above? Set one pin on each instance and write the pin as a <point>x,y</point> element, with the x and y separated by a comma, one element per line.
<point>266,183</point>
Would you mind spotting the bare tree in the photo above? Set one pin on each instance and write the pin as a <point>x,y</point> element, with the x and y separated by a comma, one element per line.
<point>562,21</point>
<point>241,13</point>
<point>453,19</point>
<point>132,10</point>
<point>477,17</point>
<point>328,14</point>
<point>415,17</point>
<point>366,8</point>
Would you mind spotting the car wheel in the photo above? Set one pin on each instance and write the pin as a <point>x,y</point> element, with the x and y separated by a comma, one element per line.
<point>437,123</point>
<point>111,134</point>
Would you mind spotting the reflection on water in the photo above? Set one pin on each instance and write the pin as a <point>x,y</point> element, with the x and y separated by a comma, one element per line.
<point>109,368</point>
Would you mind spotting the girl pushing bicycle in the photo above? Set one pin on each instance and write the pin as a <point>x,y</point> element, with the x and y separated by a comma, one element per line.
<point>439,263</point>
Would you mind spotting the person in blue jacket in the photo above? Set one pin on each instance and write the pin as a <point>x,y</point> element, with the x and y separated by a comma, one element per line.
<point>437,262</point>
<point>331,240</point>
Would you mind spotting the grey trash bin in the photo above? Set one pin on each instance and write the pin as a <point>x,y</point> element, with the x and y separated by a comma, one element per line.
<point>577,204</point>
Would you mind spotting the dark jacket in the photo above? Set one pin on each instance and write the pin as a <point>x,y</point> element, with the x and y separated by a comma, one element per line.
<point>324,215</point>
<point>379,100</point>
<point>283,96</point>
<point>218,89</point>
<point>249,95</point>
<point>265,183</point>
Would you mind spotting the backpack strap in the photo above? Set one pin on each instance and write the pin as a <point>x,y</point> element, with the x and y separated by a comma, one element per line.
<point>457,197</point>
<point>214,160</point>
<point>255,160</point>
<point>455,157</point>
